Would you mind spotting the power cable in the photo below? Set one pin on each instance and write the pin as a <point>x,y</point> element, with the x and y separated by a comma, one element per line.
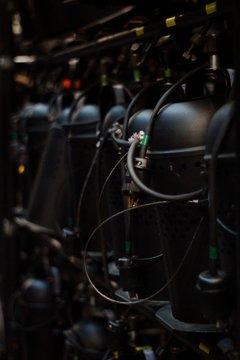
<point>172,277</point>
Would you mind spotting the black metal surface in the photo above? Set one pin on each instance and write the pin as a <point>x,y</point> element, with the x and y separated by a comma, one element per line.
<point>165,315</point>
<point>146,243</point>
<point>178,145</point>
<point>178,225</point>
<point>126,37</point>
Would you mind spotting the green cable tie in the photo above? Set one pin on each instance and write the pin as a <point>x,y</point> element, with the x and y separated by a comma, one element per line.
<point>127,247</point>
<point>168,73</point>
<point>70,221</point>
<point>145,140</point>
<point>104,80</point>
<point>137,76</point>
<point>213,254</point>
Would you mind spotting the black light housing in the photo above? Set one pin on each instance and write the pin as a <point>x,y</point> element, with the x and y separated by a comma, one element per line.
<point>176,152</point>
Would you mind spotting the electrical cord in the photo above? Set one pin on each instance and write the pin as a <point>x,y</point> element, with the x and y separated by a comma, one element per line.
<point>131,106</point>
<point>149,258</point>
<point>76,101</point>
<point>109,177</point>
<point>53,101</point>
<point>103,243</point>
<point>147,190</point>
<point>94,163</point>
<point>162,102</point>
<point>87,178</point>
<point>172,277</point>
<point>106,355</point>
<point>119,142</point>
<point>84,93</point>
<point>226,228</point>
<point>100,197</point>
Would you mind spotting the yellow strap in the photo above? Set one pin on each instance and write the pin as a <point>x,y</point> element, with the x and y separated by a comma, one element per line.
<point>211,8</point>
<point>204,348</point>
<point>171,21</point>
<point>140,31</point>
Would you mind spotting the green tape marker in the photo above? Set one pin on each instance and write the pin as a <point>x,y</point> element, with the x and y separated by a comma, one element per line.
<point>137,75</point>
<point>213,255</point>
<point>104,80</point>
<point>168,73</point>
<point>127,247</point>
<point>145,140</point>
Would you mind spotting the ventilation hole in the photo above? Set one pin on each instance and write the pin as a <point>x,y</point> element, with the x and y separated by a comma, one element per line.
<point>198,164</point>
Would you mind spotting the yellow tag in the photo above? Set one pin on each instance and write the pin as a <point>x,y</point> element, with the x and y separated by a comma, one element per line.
<point>211,8</point>
<point>204,348</point>
<point>140,31</point>
<point>171,21</point>
<point>21,169</point>
<point>141,348</point>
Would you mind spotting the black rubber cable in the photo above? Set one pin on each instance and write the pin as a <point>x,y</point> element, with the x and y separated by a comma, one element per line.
<point>172,277</point>
<point>181,197</point>
<point>226,228</point>
<point>108,178</point>
<point>100,144</point>
<point>131,106</point>
<point>162,101</point>
<point>102,240</point>
<point>76,101</point>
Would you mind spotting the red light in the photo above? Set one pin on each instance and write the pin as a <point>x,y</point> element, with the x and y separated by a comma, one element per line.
<point>77,84</point>
<point>66,84</point>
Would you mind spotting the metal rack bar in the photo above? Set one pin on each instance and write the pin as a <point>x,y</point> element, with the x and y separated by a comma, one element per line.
<point>163,27</point>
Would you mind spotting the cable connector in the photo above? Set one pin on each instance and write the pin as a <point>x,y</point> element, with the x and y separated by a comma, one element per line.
<point>137,136</point>
<point>117,130</point>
